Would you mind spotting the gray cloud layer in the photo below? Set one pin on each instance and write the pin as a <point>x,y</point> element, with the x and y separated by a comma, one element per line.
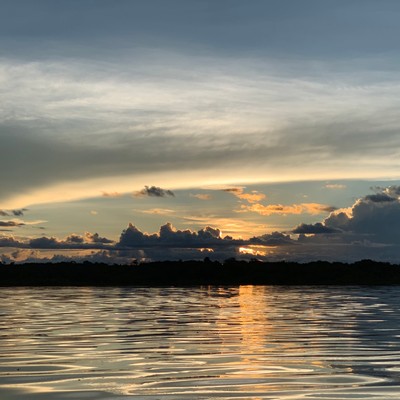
<point>160,87</point>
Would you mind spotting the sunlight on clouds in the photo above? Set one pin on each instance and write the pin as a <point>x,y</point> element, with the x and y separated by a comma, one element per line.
<point>255,250</point>
<point>230,226</point>
<point>252,197</point>
<point>255,120</point>
<point>271,209</point>
<point>157,211</point>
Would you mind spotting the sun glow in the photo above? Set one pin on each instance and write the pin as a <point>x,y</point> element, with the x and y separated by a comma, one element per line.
<point>254,250</point>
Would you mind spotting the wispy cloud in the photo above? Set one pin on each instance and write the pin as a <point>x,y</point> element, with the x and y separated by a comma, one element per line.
<point>303,208</point>
<point>253,197</point>
<point>335,186</point>
<point>158,211</point>
<point>201,196</point>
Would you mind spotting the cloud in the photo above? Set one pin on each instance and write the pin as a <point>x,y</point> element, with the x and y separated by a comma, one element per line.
<point>96,238</point>
<point>154,191</point>
<point>16,213</point>
<point>9,241</point>
<point>374,217</point>
<point>335,186</point>
<point>273,239</point>
<point>315,229</point>
<point>202,196</point>
<point>158,211</point>
<point>379,198</point>
<point>74,239</point>
<point>252,197</point>
<point>111,194</point>
<point>11,223</point>
<point>168,236</point>
<point>303,208</point>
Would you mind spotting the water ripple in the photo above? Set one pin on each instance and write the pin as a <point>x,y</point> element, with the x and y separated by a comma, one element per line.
<point>183,343</point>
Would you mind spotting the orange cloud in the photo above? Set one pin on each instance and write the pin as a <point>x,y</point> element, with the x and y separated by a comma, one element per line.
<point>303,208</point>
<point>252,197</point>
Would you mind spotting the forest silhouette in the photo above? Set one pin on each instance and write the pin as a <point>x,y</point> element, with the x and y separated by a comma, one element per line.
<point>206,272</point>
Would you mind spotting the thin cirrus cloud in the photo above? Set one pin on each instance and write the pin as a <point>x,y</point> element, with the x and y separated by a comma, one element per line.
<point>279,209</point>
<point>156,92</point>
<point>170,125</point>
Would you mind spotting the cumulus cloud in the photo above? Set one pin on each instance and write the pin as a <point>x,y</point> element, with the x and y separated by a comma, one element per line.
<point>272,239</point>
<point>374,217</point>
<point>96,238</point>
<point>9,241</point>
<point>315,229</point>
<point>154,191</point>
<point>76,239</point>
<point>169,236</point>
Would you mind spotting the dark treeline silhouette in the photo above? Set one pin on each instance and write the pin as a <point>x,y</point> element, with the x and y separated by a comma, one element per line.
<point>188,273</point>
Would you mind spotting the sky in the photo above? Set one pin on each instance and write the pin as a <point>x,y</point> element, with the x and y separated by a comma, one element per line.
<point>175,129</point>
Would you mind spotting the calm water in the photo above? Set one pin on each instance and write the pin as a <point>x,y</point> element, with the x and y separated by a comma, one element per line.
<point>200,343</point>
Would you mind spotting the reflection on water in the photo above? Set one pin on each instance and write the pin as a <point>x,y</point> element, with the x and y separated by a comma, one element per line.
<point>248,342</point>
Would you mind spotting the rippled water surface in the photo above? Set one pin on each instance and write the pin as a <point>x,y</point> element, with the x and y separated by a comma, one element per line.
<point>248,342</point>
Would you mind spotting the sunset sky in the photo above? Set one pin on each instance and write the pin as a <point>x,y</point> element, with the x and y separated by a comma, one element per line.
<point>266,128</point>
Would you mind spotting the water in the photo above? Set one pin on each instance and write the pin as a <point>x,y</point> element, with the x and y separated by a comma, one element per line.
<point>248,342</point>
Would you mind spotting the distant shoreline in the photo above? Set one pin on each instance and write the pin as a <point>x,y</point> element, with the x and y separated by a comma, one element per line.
<point>194,273</point>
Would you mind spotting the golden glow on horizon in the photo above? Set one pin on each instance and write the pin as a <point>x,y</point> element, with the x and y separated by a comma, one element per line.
<point>303,208</point>
<point>174,180</point>
<point>254,250</point>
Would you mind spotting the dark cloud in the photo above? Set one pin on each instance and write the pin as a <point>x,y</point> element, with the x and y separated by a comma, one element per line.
<point>44,243</point>
<point>316,228</point>
<point>168,236</point>
<point>96,238</point>
<point>154,191</point>
<point>272,239</point>
<point>73,241</point>
<point>379,198</point>
<point>233,190</point>
<point>18,213</point>
<point>76,239</point>
<point>375,217</point>
<point>11,223</point>
<point>9,241</point>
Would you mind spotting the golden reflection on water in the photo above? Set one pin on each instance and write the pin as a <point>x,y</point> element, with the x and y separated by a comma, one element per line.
<point>249,342</point>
